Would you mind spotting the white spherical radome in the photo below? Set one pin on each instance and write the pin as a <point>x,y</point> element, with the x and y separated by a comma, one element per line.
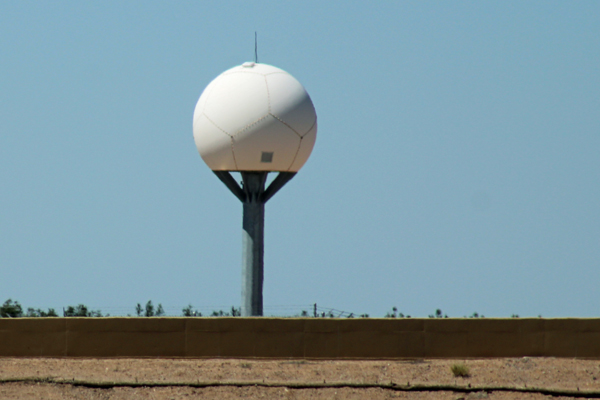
<point>255,117</point>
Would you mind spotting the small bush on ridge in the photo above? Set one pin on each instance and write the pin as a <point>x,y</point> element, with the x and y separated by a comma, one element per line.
<point>460,370</point>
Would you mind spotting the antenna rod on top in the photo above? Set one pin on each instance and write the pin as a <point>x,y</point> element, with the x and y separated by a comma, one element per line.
<point>255,48</point>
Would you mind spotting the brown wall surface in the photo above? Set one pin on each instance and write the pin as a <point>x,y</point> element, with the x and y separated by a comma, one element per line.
<point>298,337</point>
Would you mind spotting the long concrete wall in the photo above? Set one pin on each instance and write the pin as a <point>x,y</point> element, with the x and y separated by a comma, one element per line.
<point>298,338</point>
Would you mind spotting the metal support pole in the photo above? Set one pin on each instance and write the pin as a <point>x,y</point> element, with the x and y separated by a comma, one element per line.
<point>253,244</point>
<point>253,196</point>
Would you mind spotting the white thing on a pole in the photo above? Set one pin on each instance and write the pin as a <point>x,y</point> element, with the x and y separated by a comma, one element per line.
<point>254,119</point>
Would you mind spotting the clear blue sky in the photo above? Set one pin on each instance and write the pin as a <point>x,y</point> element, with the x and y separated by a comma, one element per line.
<point>457,163</point>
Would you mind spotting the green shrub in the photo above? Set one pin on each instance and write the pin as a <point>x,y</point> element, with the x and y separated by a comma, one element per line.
<point>190,312</point>
<point>438,314</point>
<point>235,312</point>
<point>81,310</point>
<point>460,370</point>
<point>394,313</point>
<point>149,310</point>
<point>32,312</point>
<point>11,309</point>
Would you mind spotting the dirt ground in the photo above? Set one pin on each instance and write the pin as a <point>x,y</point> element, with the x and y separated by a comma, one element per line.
<point>494,379</point>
